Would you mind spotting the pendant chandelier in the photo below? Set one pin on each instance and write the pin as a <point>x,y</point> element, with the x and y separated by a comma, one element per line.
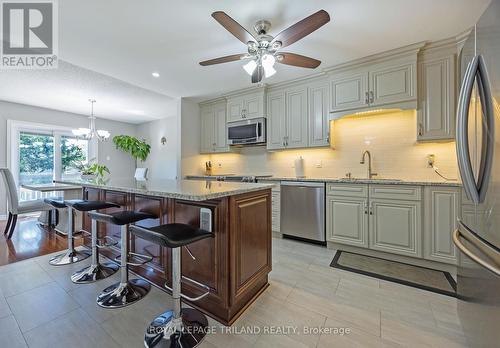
<point>91,132</point>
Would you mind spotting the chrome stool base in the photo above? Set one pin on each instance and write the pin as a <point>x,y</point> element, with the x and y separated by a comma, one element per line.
<point>94,273</point>
<point>164,332</point>
<point>70,257</point>
<point>123,294</point>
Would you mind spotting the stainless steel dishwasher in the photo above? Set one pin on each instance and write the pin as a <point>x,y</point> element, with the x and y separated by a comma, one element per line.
<point>303,210</point>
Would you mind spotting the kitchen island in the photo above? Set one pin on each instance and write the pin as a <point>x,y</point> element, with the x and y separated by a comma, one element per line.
<point>234,264</point>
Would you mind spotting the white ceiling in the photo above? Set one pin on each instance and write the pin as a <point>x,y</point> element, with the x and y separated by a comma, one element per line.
<point>69,88</point>
<point>129,39</point>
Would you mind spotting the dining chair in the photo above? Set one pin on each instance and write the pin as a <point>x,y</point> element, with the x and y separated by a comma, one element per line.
<point>141,174</point>
<point>15,207</point>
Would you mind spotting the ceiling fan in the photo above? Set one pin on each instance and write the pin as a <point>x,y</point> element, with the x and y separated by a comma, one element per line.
<point>263,50</point>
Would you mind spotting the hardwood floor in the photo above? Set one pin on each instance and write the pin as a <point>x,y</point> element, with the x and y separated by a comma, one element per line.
<point>30,240</point>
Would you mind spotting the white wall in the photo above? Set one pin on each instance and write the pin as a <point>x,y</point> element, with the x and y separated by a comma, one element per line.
<point>117,161</point>
<point>163,159</point>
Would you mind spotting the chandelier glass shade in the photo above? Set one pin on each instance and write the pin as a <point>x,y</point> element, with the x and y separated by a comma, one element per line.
<point>91,132</point>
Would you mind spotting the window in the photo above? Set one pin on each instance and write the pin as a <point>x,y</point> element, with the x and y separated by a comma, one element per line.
<point>36,158</point>
<point>73,150</point>
<point>39,153</point>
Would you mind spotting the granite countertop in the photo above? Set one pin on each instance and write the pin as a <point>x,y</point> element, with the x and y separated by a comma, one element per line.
<point>344,180</point>
<point>190,190</point>
<point>367,181</point>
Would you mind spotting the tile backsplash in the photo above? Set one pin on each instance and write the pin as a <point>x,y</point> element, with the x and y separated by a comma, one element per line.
<point>391,139</point>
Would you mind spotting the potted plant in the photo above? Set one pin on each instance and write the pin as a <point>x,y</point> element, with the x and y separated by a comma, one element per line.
<point>138,149</point>
<point>91,170</point>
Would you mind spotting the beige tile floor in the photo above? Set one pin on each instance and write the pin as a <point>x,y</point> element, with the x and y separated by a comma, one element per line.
<point>308,304</point>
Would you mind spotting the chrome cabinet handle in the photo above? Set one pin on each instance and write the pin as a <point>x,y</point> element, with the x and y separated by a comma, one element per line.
<point>371,97</point>
<point>420,129</point>
<point>488,138</point>
<point>492,254</point>
<point>365,206</point>
<point>462,136</point>
<point>367,98</point>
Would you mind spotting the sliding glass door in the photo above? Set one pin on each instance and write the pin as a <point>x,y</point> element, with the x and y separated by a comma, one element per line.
<point>39,155</point>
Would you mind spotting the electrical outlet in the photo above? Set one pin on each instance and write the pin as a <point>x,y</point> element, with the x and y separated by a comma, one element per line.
<point>319,164</point>
<point>431,158</point>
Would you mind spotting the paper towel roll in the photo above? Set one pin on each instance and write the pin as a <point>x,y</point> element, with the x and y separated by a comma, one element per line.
<point>299,167</point>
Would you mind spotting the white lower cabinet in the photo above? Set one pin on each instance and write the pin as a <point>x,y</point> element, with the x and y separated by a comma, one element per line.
<point>395,227</point>
<point>442,205</point>
<point>347,220</point>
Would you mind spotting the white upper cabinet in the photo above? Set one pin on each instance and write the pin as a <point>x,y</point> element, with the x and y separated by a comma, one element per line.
<point>392,82</point>
<point>213,129</point>
<point>276,120</point>
<point>437,95</point>
<point>296,112</point>
<point>287,118</point>
<point>251,105</point>
<point>373,82</point>
<point>319,117</point>
<point>349,91</point>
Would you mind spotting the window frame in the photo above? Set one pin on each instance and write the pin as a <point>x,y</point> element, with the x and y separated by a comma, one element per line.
<point>14,128</point>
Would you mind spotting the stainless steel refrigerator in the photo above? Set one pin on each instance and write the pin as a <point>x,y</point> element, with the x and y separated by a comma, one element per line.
<point>478,152</point>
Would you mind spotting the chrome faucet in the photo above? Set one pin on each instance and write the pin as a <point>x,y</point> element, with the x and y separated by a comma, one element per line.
<point>370,173</point>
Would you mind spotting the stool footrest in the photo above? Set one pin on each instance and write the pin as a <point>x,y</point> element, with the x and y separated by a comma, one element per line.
<point>192,299</point>
<point>106,242</point>
<point>143,259</point>
<point>84,234</point>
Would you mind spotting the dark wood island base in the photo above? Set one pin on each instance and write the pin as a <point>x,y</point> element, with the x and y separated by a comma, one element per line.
<point>235,263</point>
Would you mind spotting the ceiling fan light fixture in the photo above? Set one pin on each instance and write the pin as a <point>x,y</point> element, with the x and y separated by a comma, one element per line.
<point>250,67</point>
<point>268,71</point>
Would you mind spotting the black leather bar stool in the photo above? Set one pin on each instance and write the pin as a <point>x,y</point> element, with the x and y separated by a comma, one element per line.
<point>127,291</point>
<point>179,327</point>
<point>96,271</point>
<point>72,255</point>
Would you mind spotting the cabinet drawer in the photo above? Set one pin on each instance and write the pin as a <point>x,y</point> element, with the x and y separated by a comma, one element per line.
<point>349,190</point>
<point>398,192</point>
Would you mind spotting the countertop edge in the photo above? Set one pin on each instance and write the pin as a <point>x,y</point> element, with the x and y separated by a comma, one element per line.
<point>343,181</point>
<point>180,196</point>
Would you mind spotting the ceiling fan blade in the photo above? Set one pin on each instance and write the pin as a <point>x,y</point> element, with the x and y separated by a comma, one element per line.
<point>221,60</point>
<point>298,60</point>
<point>302,28</point>
<point>258,73</point>
<point>233,27</point>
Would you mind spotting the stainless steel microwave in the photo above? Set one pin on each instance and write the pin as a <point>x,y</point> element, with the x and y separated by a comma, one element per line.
<point>247,132</point>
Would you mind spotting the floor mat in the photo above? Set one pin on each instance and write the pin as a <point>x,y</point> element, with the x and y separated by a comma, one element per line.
<point>402,273</point>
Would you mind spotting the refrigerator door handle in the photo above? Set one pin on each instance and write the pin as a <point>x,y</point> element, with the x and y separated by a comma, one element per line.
<point>487,250</point>
<point>488,139</point>
<point>462,137</point>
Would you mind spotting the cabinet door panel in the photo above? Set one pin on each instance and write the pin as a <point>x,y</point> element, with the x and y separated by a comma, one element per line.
<point>347,221</point>
<point>319,124</point>
<point>276,120</point>
<point>441,212</point>
<point>253,106</point>
<point>392,84</point>
<point>207,132</point>
<point>296,116</point>
<point>349,92</point>
<point>436,113</point>
<point>395,227</point>
<point>234,109</point>
<point>220,128</point>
